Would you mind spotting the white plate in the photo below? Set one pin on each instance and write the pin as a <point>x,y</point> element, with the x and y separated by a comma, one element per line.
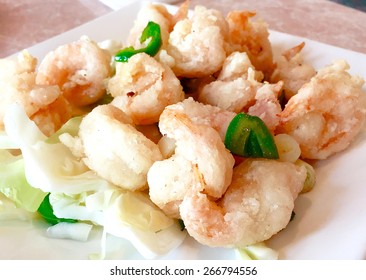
<point>330,221</point>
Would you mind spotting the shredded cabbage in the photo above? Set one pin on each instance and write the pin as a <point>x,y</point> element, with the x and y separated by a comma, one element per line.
<point>9,211</point>
<point>71,127</point>
<point>76,231</point>
<point>137,210</point>
<point>78,193</point>
<point>125,214</point>
<point>48,166</point>
<point>85,206</point>
<point>6,142</point>
<point>14,185</point>
<point>151,233</point>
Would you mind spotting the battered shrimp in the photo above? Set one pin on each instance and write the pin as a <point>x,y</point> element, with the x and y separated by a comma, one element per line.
<point>267,105</point>
<point>169,180</point>
<point>251,37</point>
<point>52,117</point>
<point>109,144</point>
<point>43,104</point>
<point>237,89</point>
<point>197,146</point>
<point>79,69</point>
<point>206,115</point>
<point>327,113</point>
<point>151,12</point>
<point>237,65</point>
<point>258,204</point>
<point>143,87</point>
<point>292,70</point>
<point>197,44</point>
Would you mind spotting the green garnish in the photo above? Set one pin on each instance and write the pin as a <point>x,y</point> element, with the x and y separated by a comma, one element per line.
<point>152,30</point>
<point>181,224</point>
<point>46,211</point>
<point>248,136</point>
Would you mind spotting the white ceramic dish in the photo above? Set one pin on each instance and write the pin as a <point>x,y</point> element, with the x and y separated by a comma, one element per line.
<point>330,221</point>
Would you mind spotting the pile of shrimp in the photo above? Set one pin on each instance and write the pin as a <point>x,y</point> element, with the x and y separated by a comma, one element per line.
<point>163,132</point>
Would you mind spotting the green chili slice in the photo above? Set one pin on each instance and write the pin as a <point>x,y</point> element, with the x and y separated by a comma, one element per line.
<point>152,31</point>
<point>46,211</point>
<point>248,136</point>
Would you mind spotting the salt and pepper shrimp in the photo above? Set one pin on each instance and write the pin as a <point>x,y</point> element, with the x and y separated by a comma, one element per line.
<point>196,141</point>
<point>267,105</point>
<point>143,87</point>
<point>197,44</point>
<point>161,16</point>
<point>327,113</point>
<point>17,80</point>
<point>292,70</point>
<point>258,204</point>
<point>79,68</point>
<point>237,89</point>
<point>43,104</point>
<point>152,138</point>
<point>246,35</point>
<point>237,65</point>
<point>110,145</point>
<point>205,114</point>
<point>151,12</point>
<point>50,118</point>
<point>233,90</point>
<point>169,180</point>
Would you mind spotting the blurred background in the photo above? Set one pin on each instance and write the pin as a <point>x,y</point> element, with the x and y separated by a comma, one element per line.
<point>357,4</point>
<point>24,23</point>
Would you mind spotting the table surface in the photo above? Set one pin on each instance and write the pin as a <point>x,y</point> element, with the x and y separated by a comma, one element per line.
<point>24,23</point>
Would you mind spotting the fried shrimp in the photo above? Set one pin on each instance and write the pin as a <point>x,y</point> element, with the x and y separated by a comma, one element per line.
<point>267,105</point>
<point>79,68</point>
<point>169,180</point>
<point>251,37</point>
<point>151,12</point>
<point>143,87</point>
<point>110,145</point>
<point>237,89</point>
<point>197,44</point>
<point>230,94</point>
<point>51,117</point>
<point>196,141</point>
<point>258,204</point>
<point>207,115</point>
<point>327,113</point>
<point>292,70</point>
<point>237,65</point>
<point>43,104</point>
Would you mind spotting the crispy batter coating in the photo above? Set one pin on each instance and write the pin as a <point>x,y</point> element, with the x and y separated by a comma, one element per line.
<point>79,68</point>
<point>44,104</point>
<point>257,205</point>
<point>143,87</point>
<point>197,44</point>
<point>327,113</point>
<point>110,145</point>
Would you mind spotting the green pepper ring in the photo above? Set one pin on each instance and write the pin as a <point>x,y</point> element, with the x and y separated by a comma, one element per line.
<point>248,136</point>
<point>152,30</point>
